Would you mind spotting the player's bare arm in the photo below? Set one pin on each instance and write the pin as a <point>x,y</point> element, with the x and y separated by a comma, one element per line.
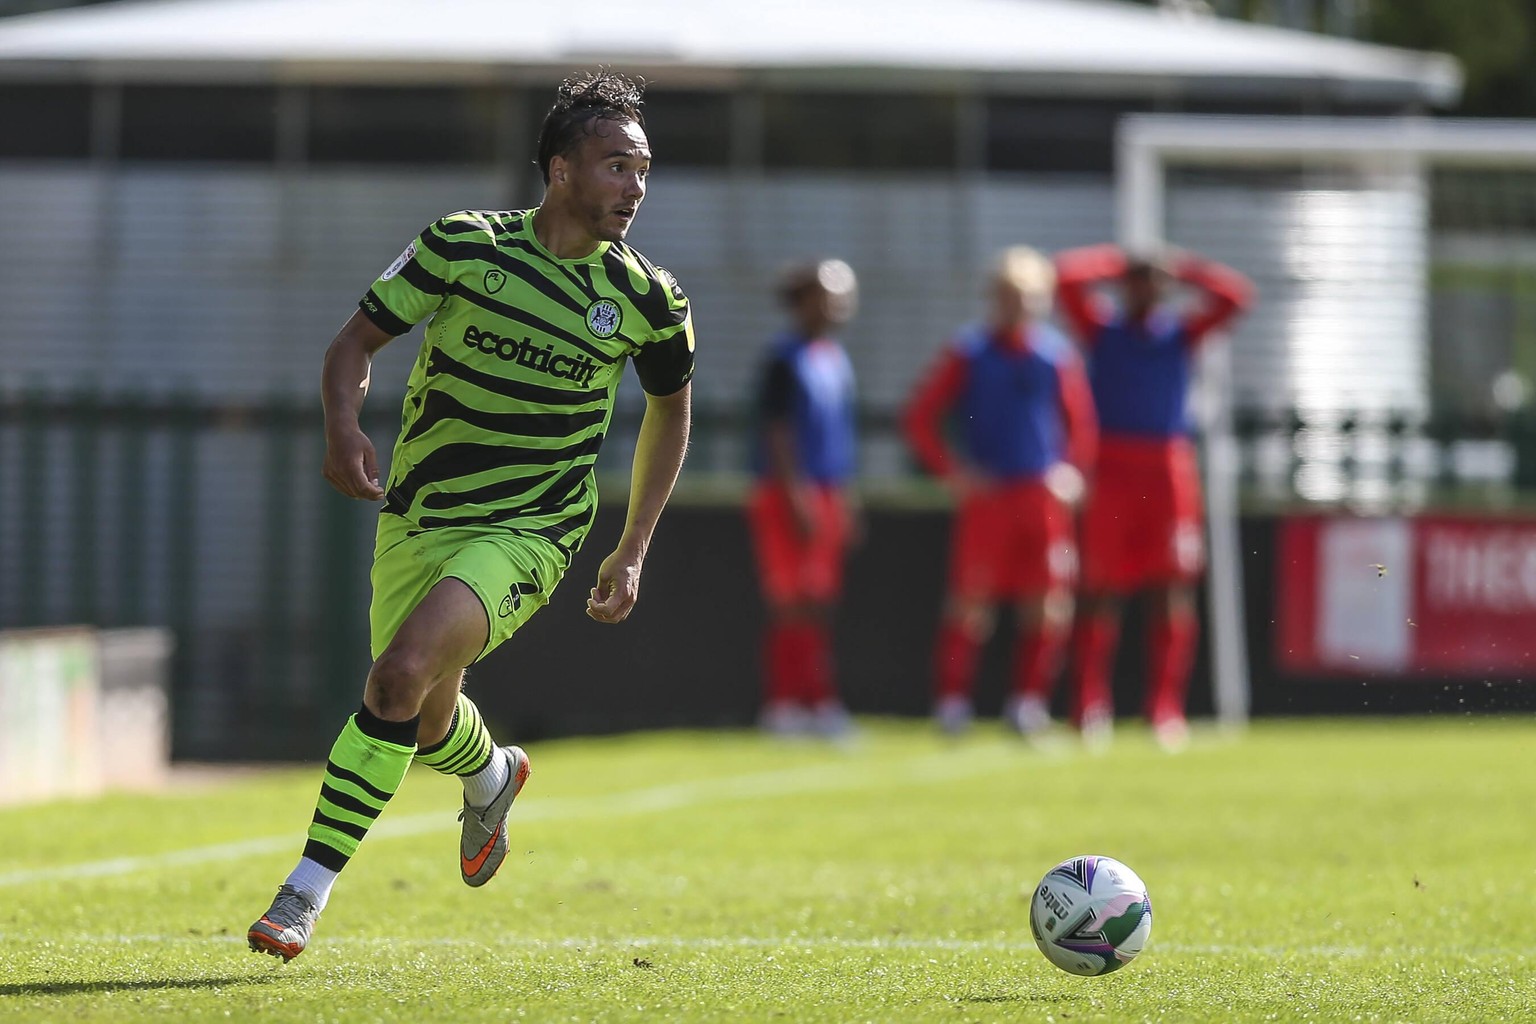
<point>659,451</point>
<point>351,464</point>
<point>779,442</point>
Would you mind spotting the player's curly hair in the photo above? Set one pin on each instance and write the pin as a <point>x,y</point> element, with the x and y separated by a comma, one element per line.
<point>581,101</point>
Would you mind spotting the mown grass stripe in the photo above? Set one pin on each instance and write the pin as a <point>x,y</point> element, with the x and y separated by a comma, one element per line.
<point>934,769</point>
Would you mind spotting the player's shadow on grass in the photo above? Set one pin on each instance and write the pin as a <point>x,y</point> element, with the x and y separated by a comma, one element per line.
<point>69,988</point>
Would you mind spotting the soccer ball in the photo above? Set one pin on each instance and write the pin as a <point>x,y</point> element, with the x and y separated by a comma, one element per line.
<point>1090,915</point>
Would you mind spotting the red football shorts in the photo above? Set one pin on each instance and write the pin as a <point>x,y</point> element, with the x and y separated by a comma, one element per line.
<point>1142,519</point>
<point>792,566</point>
<point>1011,541</point>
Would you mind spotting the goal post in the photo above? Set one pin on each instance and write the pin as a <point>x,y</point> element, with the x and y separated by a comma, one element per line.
<point>1333,218</point>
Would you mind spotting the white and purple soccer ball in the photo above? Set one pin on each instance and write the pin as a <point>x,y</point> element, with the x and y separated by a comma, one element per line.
<point>1090,915</point>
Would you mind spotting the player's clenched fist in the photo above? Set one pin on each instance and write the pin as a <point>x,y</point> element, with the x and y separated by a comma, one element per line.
<point>351,465</point>
<point>618,587</point>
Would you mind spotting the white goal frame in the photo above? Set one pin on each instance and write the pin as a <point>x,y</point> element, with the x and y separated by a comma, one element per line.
<point>1145,145</point>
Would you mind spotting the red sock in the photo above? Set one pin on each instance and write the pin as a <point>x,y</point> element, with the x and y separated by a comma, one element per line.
<point>781,662</point>
<point>1172,657</point>
<point>818,684</point>
<point>1037,660</point>
<point>1093,652</point>
<point>954,660</point>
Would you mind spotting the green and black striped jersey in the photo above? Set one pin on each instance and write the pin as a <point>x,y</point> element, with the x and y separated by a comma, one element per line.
<point>513,388</point>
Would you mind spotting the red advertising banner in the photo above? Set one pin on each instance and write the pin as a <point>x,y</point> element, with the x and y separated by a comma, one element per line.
<point>1407,596</point>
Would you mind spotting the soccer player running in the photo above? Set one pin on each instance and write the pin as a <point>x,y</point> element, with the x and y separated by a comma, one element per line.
<point>1012,391</point>
<point>490,492</point>
<point>802,512</point>
<point>1142,522</point>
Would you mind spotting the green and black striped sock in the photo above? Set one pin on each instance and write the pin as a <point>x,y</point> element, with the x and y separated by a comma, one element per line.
<point>468,747</point>
<point>367,764</point>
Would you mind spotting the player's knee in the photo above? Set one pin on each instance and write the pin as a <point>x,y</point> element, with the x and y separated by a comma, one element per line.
<point>1056,610</point>
<point>1097,604</point>
<point>794,610</point>
<point>976,618</point>
<point>1179,601</point>
<point>399,682</point>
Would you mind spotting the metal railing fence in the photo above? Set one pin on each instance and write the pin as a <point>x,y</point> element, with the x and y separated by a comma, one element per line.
<point>211,519</point>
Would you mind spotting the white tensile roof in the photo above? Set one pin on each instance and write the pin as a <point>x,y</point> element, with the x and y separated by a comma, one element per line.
<point>1038,46</point>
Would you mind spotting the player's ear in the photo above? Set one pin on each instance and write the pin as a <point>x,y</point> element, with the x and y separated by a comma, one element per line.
<point>558,169</point>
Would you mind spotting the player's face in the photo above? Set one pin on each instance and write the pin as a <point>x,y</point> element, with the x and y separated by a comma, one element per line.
<point>816,309</point>
<point>838,307</point>
<point>810,310</point>
<point>1010,307</point>
<point>606,177</point>
<point>1143,290</point>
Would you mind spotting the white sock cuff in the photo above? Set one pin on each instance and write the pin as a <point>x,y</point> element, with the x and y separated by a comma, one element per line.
<point>314,880</point>
<point>483,786</point>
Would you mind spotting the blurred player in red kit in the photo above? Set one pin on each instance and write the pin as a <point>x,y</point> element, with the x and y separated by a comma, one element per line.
<point>802,512</point>
<point>1142,521</point>
<point>1013,395</point>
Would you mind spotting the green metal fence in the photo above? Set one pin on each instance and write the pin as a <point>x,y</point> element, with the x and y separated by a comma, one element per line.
<point>110,515</point>
<point>113,513</point>
<point>103,512</point>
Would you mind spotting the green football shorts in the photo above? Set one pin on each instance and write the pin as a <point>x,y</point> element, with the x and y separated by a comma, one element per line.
<point>512,573</point>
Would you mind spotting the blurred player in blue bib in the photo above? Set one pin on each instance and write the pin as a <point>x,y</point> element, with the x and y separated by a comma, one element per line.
<point>1142,523</point>
<point>802,512</point>
<point>1005,420</point>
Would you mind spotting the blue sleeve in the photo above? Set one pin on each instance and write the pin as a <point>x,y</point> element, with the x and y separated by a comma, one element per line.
<point>776,400</point>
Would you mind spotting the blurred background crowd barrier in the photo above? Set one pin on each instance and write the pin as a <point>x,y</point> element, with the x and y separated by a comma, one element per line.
<point>83,711</point>
<point>192,198</point>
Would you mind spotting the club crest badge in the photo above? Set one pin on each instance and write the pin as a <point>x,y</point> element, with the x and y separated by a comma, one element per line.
<point>603,318</point>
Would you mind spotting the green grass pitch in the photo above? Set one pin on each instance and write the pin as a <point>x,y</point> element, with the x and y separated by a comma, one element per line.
<point>1309,871</point>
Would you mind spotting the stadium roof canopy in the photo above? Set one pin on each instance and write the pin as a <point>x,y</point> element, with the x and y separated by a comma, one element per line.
<point>1054,47</point>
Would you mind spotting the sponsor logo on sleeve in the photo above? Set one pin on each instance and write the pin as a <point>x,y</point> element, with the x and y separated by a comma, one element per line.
<point>400,262</point>
<point>670,283</point>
